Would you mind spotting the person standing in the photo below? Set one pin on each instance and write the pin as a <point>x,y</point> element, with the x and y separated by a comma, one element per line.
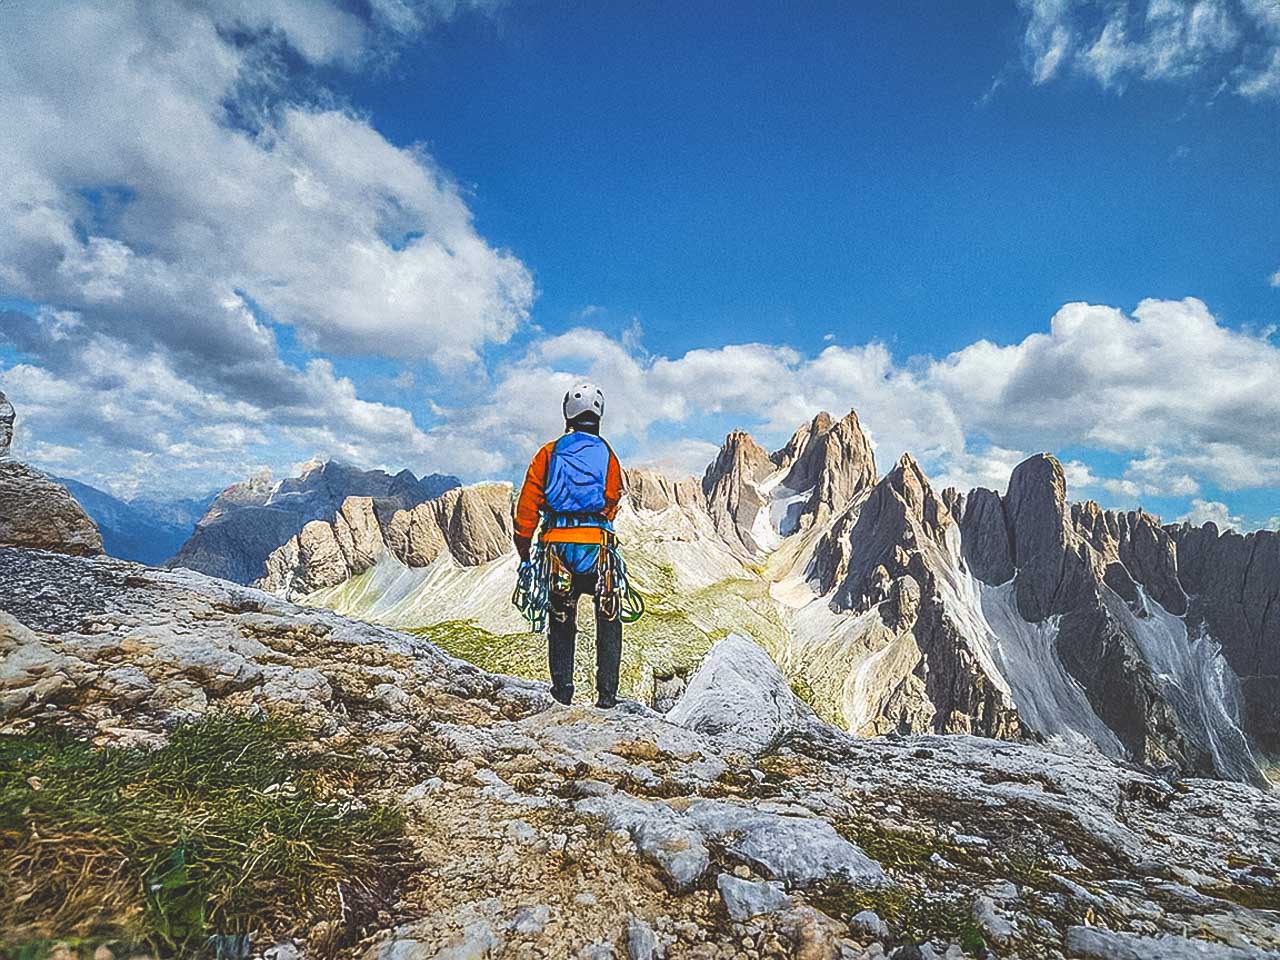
<point>571,493</point>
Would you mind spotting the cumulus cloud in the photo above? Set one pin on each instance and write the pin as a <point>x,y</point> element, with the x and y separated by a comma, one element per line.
<point>169,203</point>
<point>1184,399</point>
<point>769,388</point>
<point>1231,43</point>
<point>1188,396</point>
<point>1211,511</point>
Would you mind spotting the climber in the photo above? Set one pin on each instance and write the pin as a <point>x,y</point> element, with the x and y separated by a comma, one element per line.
<point>572,491</point>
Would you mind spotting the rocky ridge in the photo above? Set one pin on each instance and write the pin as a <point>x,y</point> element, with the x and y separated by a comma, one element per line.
<point>471,525</point>
<point>755,497</point>
<point>739,825</point>
<point>249,520</point>
<point>897,608</point>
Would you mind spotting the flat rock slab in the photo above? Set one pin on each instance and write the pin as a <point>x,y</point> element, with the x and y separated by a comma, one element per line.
<point>744,899</point>
<point>1093,943</point>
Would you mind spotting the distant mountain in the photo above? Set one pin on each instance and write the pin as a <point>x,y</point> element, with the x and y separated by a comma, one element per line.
<point>247,521</point>
<point>146,530</point>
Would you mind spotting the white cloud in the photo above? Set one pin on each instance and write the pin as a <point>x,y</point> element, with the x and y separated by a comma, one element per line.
<point>1211,511</point>
<point>1187,399</point>
<point>678,458</point>
<point>1275,279</point>
<point>1231,42</point>
<point>157,179</point>
<point>1190,398</point>
<point>162,186</point>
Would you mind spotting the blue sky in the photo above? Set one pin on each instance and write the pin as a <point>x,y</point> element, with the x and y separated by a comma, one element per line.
<point>393,231</point>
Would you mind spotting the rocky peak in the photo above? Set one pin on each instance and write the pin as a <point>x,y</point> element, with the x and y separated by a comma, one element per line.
<point>893,525</point>
<point>1055,566</point>
<point>831,459</point>
<point>1135,549</point>
<point>985,535</point>
<point>801,440</point>
<point>740,459</point>
<point>7,417</point>
<point>896,553</point>
<point>730,488</point>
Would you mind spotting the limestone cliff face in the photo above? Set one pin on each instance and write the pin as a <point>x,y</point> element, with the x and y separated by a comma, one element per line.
<point>1234,585</point>
<point>1136,550</point>
<point>729,485</point>
<point>472,525</point>
<point>896,556</point>
<point>1109,585</point>
<point>36,511</point>
<point>651,490</point>
<point>251,519</point>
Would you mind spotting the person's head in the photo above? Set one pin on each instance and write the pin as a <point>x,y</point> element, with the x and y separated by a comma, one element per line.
<point>583,407</point>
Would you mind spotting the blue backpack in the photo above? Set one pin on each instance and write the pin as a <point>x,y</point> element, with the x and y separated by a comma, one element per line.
<point>576,475</point>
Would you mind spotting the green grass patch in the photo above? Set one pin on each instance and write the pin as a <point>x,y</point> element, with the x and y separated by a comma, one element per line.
<point>230,827</point>
<point>674,635</point>
<point>518,654</point>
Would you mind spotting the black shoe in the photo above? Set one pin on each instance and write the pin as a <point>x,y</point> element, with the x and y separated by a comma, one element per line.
<point>561,697</point>
<point>607,703</point>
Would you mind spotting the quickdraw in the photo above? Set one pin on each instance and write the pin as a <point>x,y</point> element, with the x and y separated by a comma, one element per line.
<point>614,593</point>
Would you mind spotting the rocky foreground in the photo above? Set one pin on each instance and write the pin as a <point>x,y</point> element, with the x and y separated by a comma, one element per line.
<point>737,826</point>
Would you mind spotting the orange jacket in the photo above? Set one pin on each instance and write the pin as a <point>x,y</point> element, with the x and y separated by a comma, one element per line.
<point>532,498</point>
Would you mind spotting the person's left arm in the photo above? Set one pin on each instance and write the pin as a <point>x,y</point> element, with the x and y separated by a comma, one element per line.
<point>612,487</point>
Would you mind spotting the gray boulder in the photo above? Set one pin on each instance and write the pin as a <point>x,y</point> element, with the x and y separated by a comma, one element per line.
<point>744,899</point>
<point>36,512</point>
<point>1094,943</point>
<point>740,697</point>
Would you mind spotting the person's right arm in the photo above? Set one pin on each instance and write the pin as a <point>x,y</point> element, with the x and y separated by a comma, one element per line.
<point>531,501</point>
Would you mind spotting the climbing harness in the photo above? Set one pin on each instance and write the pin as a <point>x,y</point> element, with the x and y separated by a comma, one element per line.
<point>545,572</point>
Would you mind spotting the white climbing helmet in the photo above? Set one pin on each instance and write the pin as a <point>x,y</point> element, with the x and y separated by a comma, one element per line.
<point>583,398</point>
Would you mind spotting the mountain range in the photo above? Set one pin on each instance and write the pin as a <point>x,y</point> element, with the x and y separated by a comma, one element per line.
<point>145,530</point>
<point>248,520</point>
<point>892,606</point>
<point>896,607</point>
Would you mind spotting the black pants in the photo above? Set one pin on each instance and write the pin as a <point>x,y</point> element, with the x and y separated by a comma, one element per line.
<point>561,633</point>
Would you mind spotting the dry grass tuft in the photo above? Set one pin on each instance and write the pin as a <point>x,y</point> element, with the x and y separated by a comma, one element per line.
<point>229,828</point>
